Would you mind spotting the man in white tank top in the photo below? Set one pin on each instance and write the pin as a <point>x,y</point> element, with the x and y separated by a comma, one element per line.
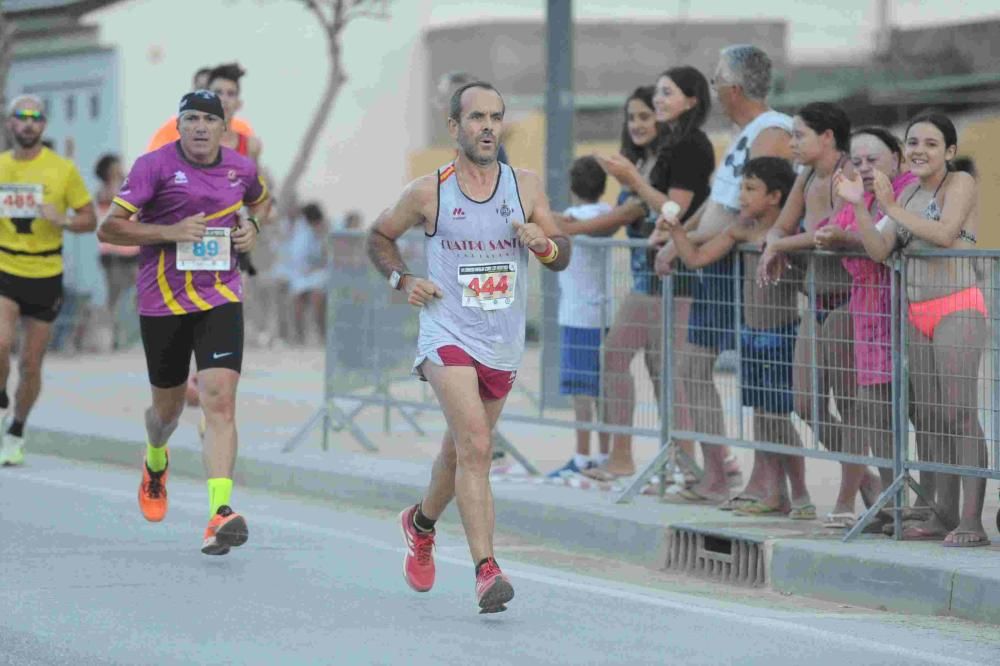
<point>741,83</point>
<point>480,218</point>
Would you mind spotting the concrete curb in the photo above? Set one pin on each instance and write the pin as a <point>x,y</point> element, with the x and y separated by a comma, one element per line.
<point>872,573</point>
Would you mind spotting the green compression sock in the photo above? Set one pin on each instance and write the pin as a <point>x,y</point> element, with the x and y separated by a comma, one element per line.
<point>156,457</point>
<point>219,490</point>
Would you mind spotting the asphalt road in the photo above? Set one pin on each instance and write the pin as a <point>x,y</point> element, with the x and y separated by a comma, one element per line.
<point>85,580</point>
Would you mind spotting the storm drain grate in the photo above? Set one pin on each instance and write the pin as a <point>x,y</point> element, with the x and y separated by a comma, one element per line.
<point>714,556</point>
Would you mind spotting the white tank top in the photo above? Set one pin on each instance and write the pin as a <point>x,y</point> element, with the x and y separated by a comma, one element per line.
<point>481,267</point>
<point>726,183</point>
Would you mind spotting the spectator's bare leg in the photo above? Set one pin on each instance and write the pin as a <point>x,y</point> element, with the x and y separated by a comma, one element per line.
<point>682,412</point>
<point>706,410</point>
<point>929,418</point>
<point>771,487</point>
<point>583,411</point>
<point>301,300</point>
<point>626,337</point>
<point>958,347</point>
<point>318,300</point>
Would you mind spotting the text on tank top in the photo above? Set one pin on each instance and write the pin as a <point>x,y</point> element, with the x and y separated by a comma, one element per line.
<point>475,257</point>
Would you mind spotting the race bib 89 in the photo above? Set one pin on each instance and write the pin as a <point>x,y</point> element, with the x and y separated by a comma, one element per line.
<point>211,253</point>
<point>20,200</point>
<point>488,286</point>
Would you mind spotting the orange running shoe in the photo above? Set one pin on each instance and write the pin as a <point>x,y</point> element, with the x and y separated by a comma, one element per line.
<point>227,529</point>
<point>153,493</point>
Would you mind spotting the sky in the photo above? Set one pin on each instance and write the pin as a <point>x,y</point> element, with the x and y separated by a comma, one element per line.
<point>379,118</point>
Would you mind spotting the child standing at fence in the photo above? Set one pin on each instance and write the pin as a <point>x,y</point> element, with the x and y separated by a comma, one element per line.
<point>583,316</point>
<point>770,323</point>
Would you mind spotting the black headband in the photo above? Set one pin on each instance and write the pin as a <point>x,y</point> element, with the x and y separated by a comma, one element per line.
<point>205,101</point>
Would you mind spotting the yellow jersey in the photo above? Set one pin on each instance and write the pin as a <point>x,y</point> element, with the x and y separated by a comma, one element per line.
<point>31,247</point>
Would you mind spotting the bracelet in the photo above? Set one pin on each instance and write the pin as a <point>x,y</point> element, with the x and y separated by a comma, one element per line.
<point>549,255</point>
<point>254,222</point>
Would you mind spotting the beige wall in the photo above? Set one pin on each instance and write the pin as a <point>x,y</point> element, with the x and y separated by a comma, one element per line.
<point>981,141</point>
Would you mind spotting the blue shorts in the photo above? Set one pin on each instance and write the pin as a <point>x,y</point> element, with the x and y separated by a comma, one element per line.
<point>768,356</point>
<point>712,322</point>
<point>580,361</point>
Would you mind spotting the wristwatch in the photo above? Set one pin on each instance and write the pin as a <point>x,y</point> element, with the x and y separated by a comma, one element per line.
<point>396,279</point>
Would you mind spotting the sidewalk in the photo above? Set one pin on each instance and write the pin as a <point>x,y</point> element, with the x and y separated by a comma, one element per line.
<point>91,410</point>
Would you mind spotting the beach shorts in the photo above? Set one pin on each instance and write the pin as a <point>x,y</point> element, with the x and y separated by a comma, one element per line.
<point>767,360</point>
<point>712,322</point>
<point>580,361</point>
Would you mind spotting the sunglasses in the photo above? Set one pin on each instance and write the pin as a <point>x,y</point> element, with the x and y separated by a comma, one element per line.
<point>29,114</point>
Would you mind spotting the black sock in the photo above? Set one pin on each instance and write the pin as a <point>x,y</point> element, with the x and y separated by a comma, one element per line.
<point>16,428</point>
<point>422,522</point>
<point>481,563</point>
<point>4,400</point>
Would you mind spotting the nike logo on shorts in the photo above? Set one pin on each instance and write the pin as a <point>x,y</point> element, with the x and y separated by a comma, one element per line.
<point>216,355</point>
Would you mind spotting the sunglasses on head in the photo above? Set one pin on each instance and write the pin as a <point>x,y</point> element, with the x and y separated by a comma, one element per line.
<point>29,114</point>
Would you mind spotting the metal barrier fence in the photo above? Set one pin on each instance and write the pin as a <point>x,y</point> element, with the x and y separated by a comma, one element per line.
<point>846,360</point>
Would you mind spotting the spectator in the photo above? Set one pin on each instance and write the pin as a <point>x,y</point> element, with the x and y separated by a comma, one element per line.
<point>120,262</point>
<point>869,423</point>
<point>769,328</point>
<point>946,318</point>
<point>821,143</point>
<point>309,258</point>
<point>583,316</point>
<point>741,81</point>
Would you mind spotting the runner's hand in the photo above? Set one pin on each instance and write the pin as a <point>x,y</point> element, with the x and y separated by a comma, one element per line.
<point>190,229</point>
<point>244,236</point>
<point>532,236</point>
<point>49,212</point>
<point>419,291</point>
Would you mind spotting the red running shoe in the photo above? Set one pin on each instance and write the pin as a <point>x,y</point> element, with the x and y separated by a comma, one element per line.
<point>492,588</point>
<point>227,529</point>
<point>418,564</point>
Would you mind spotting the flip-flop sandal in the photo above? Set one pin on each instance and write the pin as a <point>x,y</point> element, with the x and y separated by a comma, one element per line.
<point>839,521</point>
<point>917,533</point>
<point>694,497</point>
<point>804,512</point>
<point>984,540</point>
<point>736,502</point>
<point>601,474</point>
<point>757,508</point>
<point>889,529</point>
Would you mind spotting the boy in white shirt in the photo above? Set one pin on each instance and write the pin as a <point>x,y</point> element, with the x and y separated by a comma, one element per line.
<point>584,315</point>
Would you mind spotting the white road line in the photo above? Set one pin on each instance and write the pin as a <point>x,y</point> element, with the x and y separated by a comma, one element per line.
<point>579,583</point>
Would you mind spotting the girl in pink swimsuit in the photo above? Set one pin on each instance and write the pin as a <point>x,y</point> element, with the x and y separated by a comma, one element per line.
<point>947,319</point>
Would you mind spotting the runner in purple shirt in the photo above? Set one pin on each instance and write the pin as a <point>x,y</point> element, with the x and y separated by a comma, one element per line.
<point>179,203</point>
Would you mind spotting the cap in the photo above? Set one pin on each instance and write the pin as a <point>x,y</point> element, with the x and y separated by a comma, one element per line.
<point>205,101</point>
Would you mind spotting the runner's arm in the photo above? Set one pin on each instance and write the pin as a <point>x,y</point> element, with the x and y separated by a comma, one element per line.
<point>556,257</point>
<point>406,213</point>
<point>120,228</point>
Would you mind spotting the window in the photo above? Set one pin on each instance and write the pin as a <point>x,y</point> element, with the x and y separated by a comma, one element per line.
<point>70,107</point>
<point>95,106</point>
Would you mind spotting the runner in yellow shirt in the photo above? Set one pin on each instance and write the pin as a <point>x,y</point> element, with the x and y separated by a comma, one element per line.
<point>37,189</point>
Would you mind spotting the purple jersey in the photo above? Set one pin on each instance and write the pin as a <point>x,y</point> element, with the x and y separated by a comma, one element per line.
<point>164,188</point>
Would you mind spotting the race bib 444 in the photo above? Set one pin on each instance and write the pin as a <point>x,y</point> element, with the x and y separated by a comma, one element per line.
<point>488,286</point>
